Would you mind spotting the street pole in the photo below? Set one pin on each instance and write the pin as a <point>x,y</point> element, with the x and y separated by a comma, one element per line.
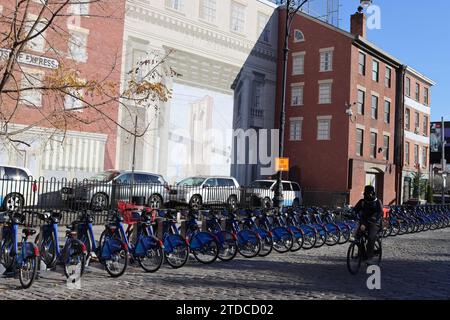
<point>444,175</point>
<point>133,163</point>
<point>278,194</point>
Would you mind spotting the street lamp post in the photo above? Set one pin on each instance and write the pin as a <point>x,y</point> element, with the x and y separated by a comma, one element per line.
<point>291,11</point>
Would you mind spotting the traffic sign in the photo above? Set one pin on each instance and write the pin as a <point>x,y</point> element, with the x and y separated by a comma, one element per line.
<point>282,164</point>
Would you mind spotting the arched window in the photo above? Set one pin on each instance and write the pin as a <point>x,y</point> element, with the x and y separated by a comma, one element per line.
<point>298,36</point>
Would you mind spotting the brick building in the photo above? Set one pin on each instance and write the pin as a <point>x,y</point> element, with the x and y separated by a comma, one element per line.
<point>342,112</point>
<point>81,38</point>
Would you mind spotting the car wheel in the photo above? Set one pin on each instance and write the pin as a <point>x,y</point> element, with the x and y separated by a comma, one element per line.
<point>232,202</point>
<point>267,203</point>
<point>13,202</point>
<point>99,201</point>
<point>155,201</point>
<point>296,203</point>
<point>195,202</point>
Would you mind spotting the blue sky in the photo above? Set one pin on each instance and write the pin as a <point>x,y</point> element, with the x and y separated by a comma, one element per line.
<point>416,32</point>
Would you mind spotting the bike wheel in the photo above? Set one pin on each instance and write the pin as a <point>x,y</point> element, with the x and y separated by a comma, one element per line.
<point>249,243</point>
<point>153,258</point>
<point>7,256</point>
<point>204,247</point>
<point>354,257</point>
<point>228,246</point>
<point>283,240</point>
<point>47,249</point>
<point>176,250</point>
<point>113,254</point>
<point>310,237</point>
<point>28,271</point>
<point>345,234</point>
<point>266,242</point>
<point>321,236</point>
<point>74,259</point>
<point>333,235</point>
<point>298,238</point>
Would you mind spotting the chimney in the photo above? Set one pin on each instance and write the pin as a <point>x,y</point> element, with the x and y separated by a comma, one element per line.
<point>358,23</point>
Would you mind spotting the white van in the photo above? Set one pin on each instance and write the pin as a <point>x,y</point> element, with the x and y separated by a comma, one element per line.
<point>264,191</point>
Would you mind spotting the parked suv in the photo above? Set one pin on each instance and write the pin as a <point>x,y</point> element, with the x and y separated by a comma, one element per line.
<point>17,188</point>
<point>99,190</point>
<point>202,190</point>
<point>262,192</point>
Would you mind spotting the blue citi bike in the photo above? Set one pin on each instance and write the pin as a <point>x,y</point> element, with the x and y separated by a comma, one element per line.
<point>18,257</point>
<point>71,256</point>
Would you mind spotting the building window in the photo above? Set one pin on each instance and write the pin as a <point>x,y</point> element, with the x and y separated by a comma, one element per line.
<point>416,122</point>
<point>72,100</point>
<point>296,130</point>
<point>373,145</point>
<point>175,4</point>
<point>375,70</point>
<point>79,8</point>
<point>361,102</point>
<point>408,87</point>
<point>388,77</point>
<point>208,10</point>
<point>387,112</point>
<point>38,42</point>
<point>359,142</point>
<point>417,92</point>
<point>237,17</point>
<point>325,93</point>
<point>263,28</point>
<point>77,46</point>
<point>374,107</point>
<point>386,147</point>
<point>258,95</point>
<point>323,129</point>
<point>297,95</point>
<point>425,126</point>
<point>424,156</point>
<point>298,36</point>
<point>407,153</point>
<point>425,96</point>
<point>32,97</point>
<point>416,154</point>
<point>362,64</point>
<point>298,64</point>
<point>407,119</point>
<point>326,60</point>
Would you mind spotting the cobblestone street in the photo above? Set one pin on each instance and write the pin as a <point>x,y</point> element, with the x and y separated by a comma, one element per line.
<point>415,266</point>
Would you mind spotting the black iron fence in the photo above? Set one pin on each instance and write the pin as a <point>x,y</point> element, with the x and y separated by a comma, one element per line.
<point>71,196</point>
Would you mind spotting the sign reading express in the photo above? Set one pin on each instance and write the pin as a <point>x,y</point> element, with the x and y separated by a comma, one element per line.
<point>31,59</point>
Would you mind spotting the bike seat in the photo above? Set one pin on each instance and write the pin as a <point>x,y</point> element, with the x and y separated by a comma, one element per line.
<point>28,232</point>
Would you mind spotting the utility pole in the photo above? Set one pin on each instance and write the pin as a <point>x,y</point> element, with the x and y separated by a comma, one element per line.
<point>443,162</point>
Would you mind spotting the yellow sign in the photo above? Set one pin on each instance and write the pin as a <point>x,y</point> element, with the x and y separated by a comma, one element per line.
<point>282,164</point>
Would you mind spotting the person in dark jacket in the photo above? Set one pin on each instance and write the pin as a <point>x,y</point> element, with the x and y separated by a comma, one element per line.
<point>370,211</point>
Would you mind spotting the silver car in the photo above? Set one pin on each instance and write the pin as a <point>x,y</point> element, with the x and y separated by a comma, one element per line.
<point>113,185</point>
<point>207,190</point>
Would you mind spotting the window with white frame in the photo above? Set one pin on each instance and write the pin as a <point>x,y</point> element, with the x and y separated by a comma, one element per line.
<point>263,27</point>
<point>326,60</point>
<point>72,100</point>
<point>175,4</point>
<point>295,129</point>
<point>325,92</point>
<point>374,107</point>
<point>298,36</point>
<point>38,42</point>
<point>78,45</point>
<point>362,64</point>
<point>208,10</point>
<point>79,8</point>
<point>324,129</point>
<point>424,156</point>
<point>375,70</point>
<point>386,150</point>
<point>361,101</point>
<point>297,95</point>
<point>237,17</point>
<point>416,154</point>
<point>373,144</point>
<point>387,111</point>
<point>408,87</point>
<point>388,77</point>
<point>298,63</point>
<point>425,126</point>
<point>425,96</point>
<point>407,156</point>
<point>28,94</point>
<point>359,142</point>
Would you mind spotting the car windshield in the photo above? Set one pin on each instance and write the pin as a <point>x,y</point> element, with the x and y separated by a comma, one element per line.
<point>193,182</point>
<point>105,176</point>
<point>261,184</point>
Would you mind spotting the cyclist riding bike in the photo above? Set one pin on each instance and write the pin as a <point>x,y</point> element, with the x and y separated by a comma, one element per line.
<point>370,211</point>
